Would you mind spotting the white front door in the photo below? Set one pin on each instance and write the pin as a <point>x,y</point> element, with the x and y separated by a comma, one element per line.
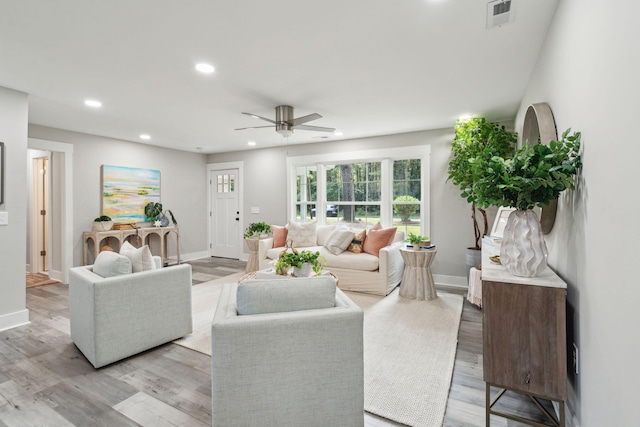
<point>225,213</point>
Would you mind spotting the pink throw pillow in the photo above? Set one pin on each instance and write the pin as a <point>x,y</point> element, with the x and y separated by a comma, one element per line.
<point>378,239</point>
<point>279,235</point>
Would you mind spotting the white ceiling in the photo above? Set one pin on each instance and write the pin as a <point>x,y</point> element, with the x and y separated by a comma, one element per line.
<point>370,67</point>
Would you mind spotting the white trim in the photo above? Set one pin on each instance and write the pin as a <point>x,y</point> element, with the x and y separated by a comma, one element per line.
<point>13,320</point>
<point>67,208</point>
<point>222,166</point>
<point>457,281</point>
<point>194,255</point>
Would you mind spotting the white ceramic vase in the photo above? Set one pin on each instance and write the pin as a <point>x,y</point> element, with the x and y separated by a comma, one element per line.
<point>523,251</point>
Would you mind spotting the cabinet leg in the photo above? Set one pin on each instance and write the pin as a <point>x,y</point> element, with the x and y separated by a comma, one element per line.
<point>487,405</point>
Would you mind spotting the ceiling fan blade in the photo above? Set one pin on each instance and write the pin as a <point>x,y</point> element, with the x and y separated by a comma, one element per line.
<point>316,128</point>
<point>255,116</point>
<point>254,127</point>
<point>305,119</point>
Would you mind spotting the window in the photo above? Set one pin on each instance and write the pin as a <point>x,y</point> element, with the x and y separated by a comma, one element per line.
<point>388,185</point>
<point>226,183</point>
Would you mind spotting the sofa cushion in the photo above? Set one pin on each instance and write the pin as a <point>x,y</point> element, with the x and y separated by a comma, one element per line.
<point>141,258</point>
<point>303,234</point>
<point>109,264</point>
<point>277,295</point>
<point>378,239</point>
<point>323,232</point>
<point>350,260</point>
<point>279,235</point>
<point>339,240</point>
<point>357,242</point>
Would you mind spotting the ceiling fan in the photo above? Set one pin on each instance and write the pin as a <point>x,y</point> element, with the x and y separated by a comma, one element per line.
<point>285,123</point>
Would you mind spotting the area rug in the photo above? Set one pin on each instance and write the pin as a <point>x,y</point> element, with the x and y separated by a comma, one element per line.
<point>38,279</point>
<point>409,350</point>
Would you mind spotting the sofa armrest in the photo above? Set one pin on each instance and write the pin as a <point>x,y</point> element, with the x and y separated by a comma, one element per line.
<point>263,246</point>
<point>391,264</point>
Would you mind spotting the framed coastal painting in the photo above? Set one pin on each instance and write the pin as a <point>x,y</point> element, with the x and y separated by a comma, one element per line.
<point>126,191</point>
<point>501,221</point>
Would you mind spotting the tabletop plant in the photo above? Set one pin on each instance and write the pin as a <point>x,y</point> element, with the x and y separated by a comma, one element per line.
<point>415,239</point>
<point>298,258</point>
<point>534,176</point>
<point>255,229</point>
<point>476,138</point>
<point>154,212</point>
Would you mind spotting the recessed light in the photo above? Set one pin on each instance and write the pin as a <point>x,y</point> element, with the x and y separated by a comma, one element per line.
<point>205,68</point>
<point>464,117</point>
<point>92,103</point>
<point>251,143</point>
<point>145,136</point>
<point>338,133</point>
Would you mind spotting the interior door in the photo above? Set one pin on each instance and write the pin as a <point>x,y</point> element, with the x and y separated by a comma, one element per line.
<point>225,213</point>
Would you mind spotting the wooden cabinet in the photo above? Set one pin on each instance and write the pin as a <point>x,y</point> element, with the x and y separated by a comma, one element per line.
<point>524,337</point>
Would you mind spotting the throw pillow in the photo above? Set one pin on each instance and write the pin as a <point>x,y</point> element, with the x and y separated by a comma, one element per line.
<point>378,239</point>
<point>303,234</point>
<point>279,235</point>
<point>141,258</point>
<point>276,295</point>
<point>339,240</point>
<point>109,264</point>
<point>358,241</point>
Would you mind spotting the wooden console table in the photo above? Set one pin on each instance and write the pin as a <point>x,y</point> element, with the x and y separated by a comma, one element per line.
<point>524,338</point>
<point>135,236</point>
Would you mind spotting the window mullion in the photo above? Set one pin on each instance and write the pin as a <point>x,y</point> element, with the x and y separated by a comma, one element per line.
<point>321,194</point>
<point>386,205</point>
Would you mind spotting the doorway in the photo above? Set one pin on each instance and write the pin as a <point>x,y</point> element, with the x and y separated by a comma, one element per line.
<point>225,210</point>
<point>40,213</point>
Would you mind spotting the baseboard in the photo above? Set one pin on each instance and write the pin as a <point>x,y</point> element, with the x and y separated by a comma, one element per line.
<point>56,275</point>
<point>12,320</point>
<point>193,256</point>
<point>457,281</point>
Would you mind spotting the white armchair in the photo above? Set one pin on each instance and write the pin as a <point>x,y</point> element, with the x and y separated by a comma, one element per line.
<point>116,317</point>
<point>287,368</point>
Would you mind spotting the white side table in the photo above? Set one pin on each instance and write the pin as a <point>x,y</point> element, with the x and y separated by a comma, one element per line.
<point>417,280</point>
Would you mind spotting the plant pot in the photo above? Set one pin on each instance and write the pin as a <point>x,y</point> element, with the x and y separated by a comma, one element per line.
<point>102,225</point>
<point>523,251</point>
<point>305,271</point>
<point>474,259</point>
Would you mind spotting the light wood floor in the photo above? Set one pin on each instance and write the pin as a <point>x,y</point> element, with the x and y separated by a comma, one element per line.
<point>46,381</point>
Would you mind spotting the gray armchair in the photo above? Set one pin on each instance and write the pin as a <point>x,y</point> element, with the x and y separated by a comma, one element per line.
<point>116,317</point>
<point>272,367</point>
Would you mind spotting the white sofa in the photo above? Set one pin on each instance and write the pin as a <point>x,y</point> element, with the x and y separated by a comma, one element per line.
<point>358,272</point>
<point>116,317</point>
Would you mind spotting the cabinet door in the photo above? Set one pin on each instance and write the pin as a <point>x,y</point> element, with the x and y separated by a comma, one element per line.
<point>524,338</point>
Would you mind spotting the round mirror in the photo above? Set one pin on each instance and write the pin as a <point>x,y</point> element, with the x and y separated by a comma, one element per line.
<point>540,127</point>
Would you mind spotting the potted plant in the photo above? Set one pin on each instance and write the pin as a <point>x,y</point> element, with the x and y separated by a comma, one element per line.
<point>474,139</point>
<point>154,212</point>
<point>256,230</point>
<point>301,261</point>
<point>416,241</point>
<point>102,223</point>
<point>533,177</point>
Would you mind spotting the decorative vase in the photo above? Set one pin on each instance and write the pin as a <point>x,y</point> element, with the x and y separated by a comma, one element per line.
<point>102,225</point>
<point>305,271</point>
<point>164,221</point>
<point>523,251</point>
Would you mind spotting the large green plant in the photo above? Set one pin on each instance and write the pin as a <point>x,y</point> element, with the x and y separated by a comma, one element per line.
<point>154,211</point>
<point>476,139</point>
<point>536,174</point>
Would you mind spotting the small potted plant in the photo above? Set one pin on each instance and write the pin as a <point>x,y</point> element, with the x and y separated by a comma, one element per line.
<point>303,262</point>
<point>416,241</point>
<point>257,230</point>
<point>102,223</point>
<point>154,212</point>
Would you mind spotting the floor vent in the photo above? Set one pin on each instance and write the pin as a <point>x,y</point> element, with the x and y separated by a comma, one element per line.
<point>499,13</point>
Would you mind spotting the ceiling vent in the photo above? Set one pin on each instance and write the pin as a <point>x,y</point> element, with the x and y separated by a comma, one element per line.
<point>499,13</point>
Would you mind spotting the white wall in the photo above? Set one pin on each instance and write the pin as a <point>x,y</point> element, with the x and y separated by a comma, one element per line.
<point>588,73</point>
<point>183,182</point>
<point>449,215</point>
<point>13,132</point>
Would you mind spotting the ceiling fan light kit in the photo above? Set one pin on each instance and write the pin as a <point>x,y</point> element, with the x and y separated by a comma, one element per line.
<point>285,123</point>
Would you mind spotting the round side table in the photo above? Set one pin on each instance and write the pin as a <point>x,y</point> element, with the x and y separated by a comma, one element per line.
<point>253,263</point>
<point>417,280</point>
